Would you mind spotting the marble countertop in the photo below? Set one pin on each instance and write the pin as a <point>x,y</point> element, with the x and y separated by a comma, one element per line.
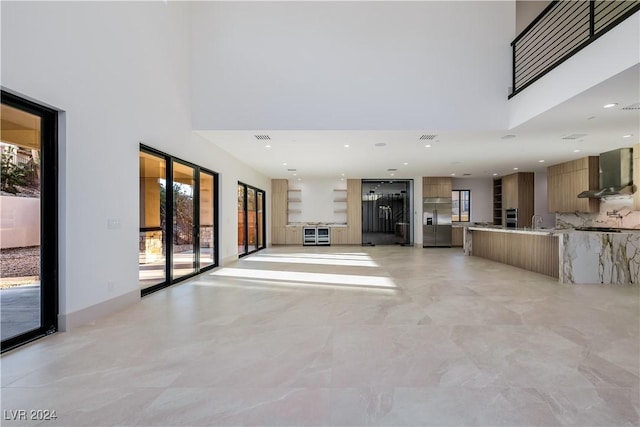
<point>539,231</point>
<point>550,231</point>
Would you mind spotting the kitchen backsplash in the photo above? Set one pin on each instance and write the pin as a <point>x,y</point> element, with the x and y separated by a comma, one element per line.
<point>625,216</point>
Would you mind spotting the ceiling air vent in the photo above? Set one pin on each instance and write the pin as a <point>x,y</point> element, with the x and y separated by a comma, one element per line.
<point>574,136</point>
<point>507,137</point>
<point>263,137</point>
<point>392,169</point>
<point>635,106</point>
<point>427,137</point>
<point>291,170</point>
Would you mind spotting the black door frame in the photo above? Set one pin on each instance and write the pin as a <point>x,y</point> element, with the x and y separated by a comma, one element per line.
<point>169,279</point>
<point>246,218</point>
<point>48,219</point>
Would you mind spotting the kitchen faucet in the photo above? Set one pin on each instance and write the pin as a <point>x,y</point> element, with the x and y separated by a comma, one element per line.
<point>536,221</point>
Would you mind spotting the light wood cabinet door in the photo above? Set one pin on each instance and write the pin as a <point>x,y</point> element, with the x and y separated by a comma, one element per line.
<point>279,208</point>
<point>457,236</point>
<point>354,211</point>
<point>293,235</point>
<point>339,236</point>
<point>636,176</point>
<point>436,186</point>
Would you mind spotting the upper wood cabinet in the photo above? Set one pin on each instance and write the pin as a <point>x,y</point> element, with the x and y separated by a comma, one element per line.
<point>566,180</point>
<point>518,193</point>
<point>436,186</point>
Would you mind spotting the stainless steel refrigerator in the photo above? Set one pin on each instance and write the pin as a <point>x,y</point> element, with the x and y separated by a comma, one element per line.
<point>436,222</point>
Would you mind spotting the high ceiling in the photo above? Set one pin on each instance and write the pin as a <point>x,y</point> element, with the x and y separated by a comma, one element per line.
<point>580,123</point>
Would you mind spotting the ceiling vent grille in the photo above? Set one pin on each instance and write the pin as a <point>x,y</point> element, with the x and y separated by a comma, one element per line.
<point>575,136</point>
<point>291,170</point>
<point>263,137</point>
<point>635,106</point>
<point>507,137</point>
<point>427,137</point>
<point>392,169</point>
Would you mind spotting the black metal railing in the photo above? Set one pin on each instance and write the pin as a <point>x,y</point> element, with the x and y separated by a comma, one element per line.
<point>561,30</point>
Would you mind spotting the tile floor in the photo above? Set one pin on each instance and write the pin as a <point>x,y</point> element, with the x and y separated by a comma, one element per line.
<point>345,336</point>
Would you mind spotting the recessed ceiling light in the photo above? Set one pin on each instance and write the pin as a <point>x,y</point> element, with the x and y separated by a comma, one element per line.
<point>453,174</point>
<point>405,163</point>
<point>515,169</point>
<point>284,164</point>
<point>346,145</point>
<point>341,174</point>
<point>392,174</point>
<point>627,136</point>
<point>267,146</point>
<point>613,104</point>
<point>576,151</point>
<point>428,146</point>
<point>540,161</point>
<point>295,174</point>
<point>495,174</point>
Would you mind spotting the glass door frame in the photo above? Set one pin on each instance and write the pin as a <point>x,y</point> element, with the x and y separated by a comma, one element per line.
<point>246,218</point>
<point>169,279</point>
<point>49,269</point>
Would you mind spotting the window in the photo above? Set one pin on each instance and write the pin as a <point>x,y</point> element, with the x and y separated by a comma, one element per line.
<point>461,205</point>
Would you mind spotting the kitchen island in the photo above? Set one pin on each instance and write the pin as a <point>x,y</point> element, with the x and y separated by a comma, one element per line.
<point>533,250</point>
<point>571,256</point>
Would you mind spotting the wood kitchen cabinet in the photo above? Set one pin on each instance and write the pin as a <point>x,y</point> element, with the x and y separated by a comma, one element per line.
<point>339,236</point>
<point>457,237</point>
<point>636,176</point>
<point>279,208</point>
<point>293,235</point>
<point>518,193</point>
<point>354,211</point>
<point>436,186</point>
<point>566,180</point>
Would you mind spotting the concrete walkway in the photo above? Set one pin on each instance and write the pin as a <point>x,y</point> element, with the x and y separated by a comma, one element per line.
<point>19,310</point>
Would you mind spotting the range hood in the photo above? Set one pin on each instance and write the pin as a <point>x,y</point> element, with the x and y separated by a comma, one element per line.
<point>616,174</point>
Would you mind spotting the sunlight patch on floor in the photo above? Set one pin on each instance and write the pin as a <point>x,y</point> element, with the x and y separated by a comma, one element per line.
<point>318,278</point>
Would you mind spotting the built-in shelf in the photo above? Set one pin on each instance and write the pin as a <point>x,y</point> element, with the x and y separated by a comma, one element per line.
<point>294,202</point>
<point>340,202</point>
<point>497,201</point>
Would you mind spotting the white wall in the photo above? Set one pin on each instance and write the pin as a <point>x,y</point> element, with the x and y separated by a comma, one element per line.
<point>481,197</point>
<point>120,72</point>
<point>351,65</point>
<point>19,221</point>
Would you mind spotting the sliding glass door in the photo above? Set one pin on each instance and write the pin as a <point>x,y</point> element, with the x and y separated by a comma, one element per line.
<point>178,211</point>
<point>184,252</point>
<point>251,219</point>
<point>207,220</point>
<point>29,221</point>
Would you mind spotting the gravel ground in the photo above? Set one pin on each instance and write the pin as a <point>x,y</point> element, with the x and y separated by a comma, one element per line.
<point>20,262</point>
